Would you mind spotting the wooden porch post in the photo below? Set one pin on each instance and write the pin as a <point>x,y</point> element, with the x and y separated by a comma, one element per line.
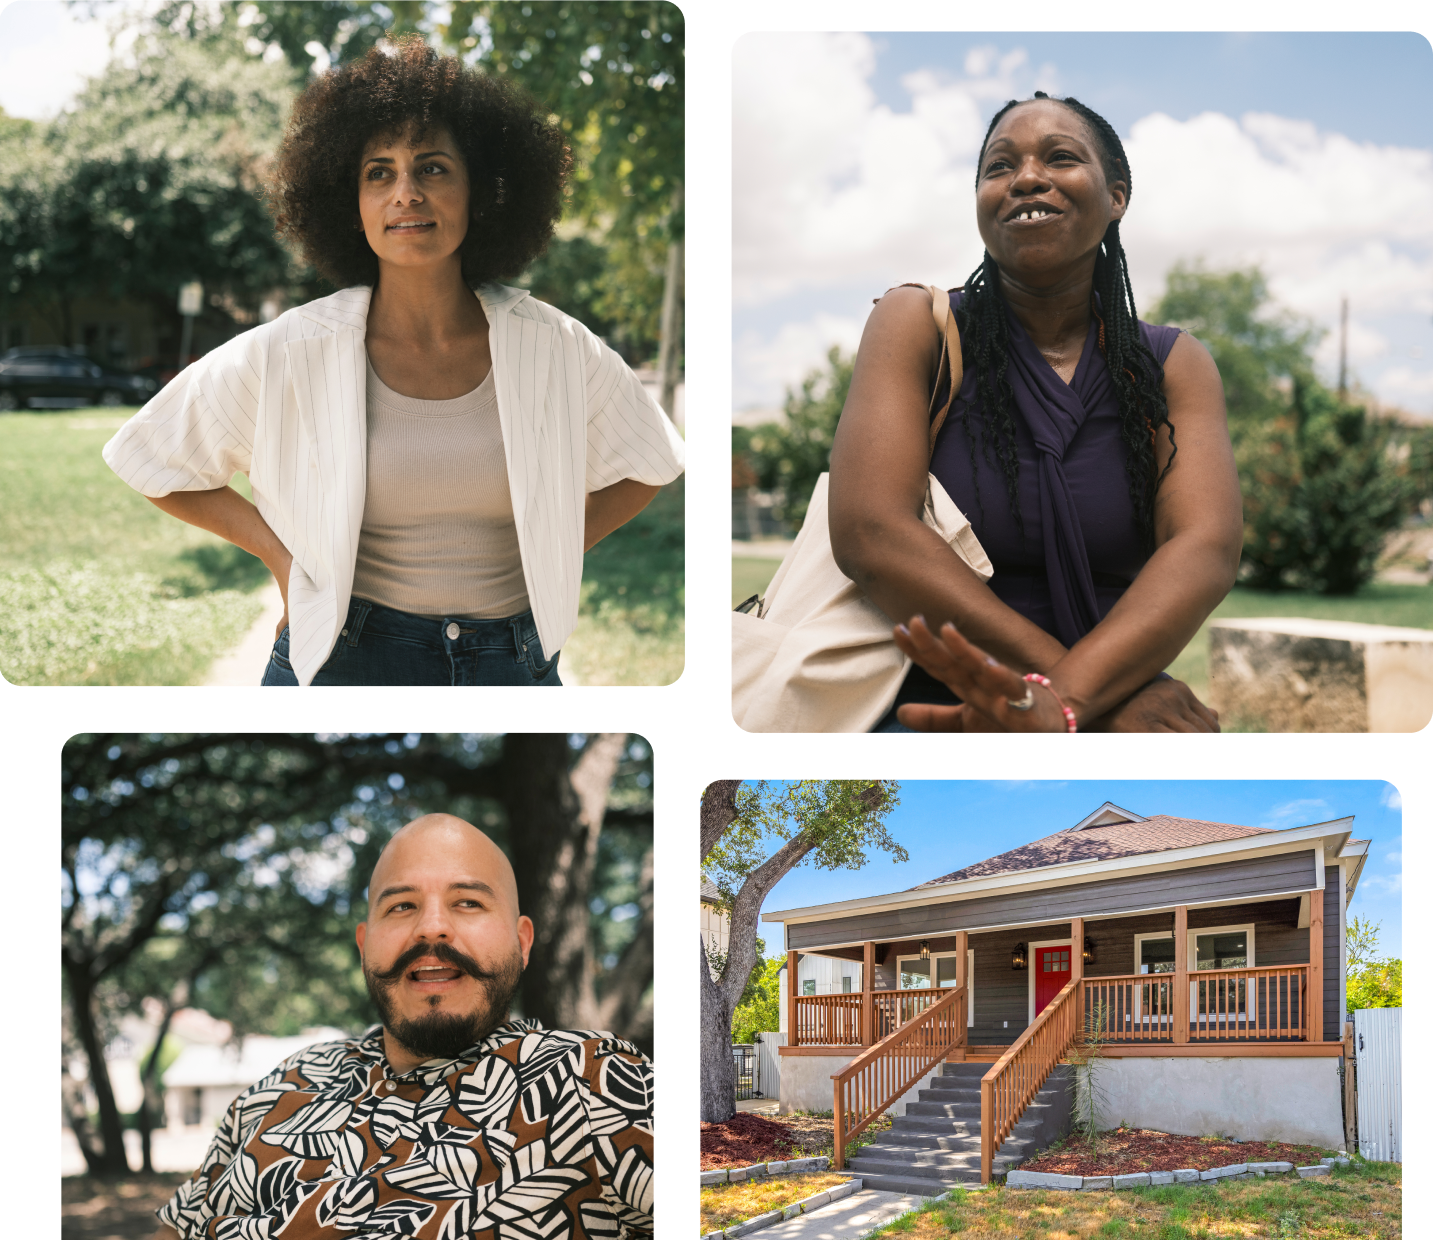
<point>958,1055</point>
<point>1180,998</point>
<point>1314,1002</point>
<point>868,984</point>
<point>792,1039</point>
<point>1077,948</point>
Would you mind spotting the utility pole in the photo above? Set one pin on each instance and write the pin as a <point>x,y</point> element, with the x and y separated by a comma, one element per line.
<point>1343,342</point>
<point>191,301</point>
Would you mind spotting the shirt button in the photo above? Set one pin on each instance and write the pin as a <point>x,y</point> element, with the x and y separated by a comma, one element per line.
<point>452,631</point>
<point>390,1086</point>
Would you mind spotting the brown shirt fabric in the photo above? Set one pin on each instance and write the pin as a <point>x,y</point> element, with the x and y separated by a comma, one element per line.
<point>531,1133</point>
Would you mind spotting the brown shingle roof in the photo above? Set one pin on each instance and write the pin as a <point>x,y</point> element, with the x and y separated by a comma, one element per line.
<point>1122,839</point>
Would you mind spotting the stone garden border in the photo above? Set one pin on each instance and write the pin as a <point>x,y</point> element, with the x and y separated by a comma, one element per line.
<point>764,1171</point>
<point>1144,1179</point>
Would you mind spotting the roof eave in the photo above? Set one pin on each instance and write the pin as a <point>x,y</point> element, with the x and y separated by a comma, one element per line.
<point>1055,875</point>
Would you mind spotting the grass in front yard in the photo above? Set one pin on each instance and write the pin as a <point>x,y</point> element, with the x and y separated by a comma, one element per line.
<point>750,575</point>
<point>726,1205</point>
<point>104,589</point>
<point>1363,1199</point>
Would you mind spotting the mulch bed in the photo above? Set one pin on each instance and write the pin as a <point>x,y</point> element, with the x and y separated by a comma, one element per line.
<point>747,1138</point>
<point>1129,1150</point>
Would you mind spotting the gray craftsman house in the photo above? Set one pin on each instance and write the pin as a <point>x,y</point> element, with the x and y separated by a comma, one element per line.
<point>1209,955</point>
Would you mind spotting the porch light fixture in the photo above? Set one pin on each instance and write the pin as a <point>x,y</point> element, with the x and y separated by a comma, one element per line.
<point>1088,951</point>
<point>1018,957</point>
<point>925,950</point>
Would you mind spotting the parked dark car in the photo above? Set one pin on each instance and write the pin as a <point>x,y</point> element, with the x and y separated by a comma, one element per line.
<point>39,377</point>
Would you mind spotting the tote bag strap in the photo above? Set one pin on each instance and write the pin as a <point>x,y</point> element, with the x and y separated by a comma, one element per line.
<point>950,361</point>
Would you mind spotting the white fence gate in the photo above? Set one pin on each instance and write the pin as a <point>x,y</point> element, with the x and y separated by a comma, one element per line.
<point>1377,1080</point>
<point>769,1065</point>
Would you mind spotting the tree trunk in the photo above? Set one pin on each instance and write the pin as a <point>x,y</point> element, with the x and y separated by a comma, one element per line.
<point>149,1097</point>
<point>669,349</point>
<point>112,1160</point>
<point>719,1073</point>
<point>72,1100</point>
<point>717,812</point>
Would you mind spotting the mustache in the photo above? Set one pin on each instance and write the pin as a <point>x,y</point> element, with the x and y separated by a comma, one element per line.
<point>439,951</point>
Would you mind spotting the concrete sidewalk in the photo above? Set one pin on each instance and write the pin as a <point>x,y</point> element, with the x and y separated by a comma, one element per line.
<point>848,1219</point>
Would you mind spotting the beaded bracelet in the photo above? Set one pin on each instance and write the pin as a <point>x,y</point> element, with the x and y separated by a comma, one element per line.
<point>1065,710</point>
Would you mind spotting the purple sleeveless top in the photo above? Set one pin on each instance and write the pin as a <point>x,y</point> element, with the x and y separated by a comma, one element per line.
<point>1081,546</point>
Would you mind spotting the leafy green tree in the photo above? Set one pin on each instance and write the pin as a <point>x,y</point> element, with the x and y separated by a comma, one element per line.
<point>1370,981</point>
<point>1379,984</point>
<point>1323,480</point>
<point>228,872</point>
<point>788,457</point>
<point>752,835</point>
<point>611,69</point>
<point>759,1010</point>
<point>148,182</point>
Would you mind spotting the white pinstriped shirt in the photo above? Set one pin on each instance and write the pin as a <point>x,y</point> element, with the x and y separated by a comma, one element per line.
<point>284,403</point>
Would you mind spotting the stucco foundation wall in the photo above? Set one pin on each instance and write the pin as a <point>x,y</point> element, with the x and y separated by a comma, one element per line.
<point>1294,1100</point>
<point>807,1083</point>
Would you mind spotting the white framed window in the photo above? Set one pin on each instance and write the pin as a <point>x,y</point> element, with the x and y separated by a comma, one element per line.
<point>1206,948</point>
<point>1219,947</point>
<point>914,973</point>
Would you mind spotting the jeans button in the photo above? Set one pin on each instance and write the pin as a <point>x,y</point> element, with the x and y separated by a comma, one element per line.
<point>451,630</point>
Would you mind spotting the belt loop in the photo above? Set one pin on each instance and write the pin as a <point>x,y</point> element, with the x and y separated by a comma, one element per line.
<point>520,647</point>
<point>358,613</point>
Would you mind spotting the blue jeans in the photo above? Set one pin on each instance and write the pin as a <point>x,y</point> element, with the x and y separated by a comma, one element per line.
<point>381,646</point>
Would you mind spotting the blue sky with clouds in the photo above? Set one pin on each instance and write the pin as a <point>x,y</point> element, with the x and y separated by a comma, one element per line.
<point>947,825</point>
<point>1306,153</point>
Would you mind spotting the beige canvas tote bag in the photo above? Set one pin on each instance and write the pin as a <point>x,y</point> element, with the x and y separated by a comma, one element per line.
<point>815,654</point>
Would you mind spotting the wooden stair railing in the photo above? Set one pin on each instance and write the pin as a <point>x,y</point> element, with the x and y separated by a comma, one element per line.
<point>1014,1078</point>
<point>880,1075</point>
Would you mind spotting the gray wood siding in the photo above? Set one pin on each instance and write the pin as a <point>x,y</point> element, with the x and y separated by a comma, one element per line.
<point>1332,1031</point>
<point>1228,880</point>
<point>1003,994</point>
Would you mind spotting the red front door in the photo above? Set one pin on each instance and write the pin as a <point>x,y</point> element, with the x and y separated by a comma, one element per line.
<point>1053,970</point>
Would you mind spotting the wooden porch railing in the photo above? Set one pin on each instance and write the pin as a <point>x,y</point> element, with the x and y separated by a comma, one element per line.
<point>835,1020</point>
<point>1014,1078</point>
<point>1225,1005</point>
<point>880,1075</point>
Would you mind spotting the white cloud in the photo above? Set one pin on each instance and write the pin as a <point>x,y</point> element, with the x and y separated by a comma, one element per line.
<point>832,188</point>
<point>1294,814</point>
<point>764,367</point>
<point>46,53</point>
<point>1391,797</point>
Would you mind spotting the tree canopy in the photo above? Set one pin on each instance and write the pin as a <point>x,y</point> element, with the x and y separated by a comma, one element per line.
<point>228,872</point>
<point>1371,981</point>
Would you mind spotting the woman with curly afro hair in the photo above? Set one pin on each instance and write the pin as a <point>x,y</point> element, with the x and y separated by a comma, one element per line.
<point>430,452</point>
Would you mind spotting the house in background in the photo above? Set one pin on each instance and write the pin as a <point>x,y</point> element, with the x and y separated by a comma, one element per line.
<point>1211,956</point>
<point>716,925</point>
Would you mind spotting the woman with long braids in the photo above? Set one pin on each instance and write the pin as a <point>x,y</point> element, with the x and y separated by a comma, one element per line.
<point>1088,449</point>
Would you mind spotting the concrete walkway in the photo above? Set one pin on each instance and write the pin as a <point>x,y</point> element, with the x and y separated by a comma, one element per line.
<point>848,1219</point>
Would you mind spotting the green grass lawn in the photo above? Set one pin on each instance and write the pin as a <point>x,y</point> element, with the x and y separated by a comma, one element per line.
<point>1405,606</point>
<point>1364,1199</point>
<point>104,589</point>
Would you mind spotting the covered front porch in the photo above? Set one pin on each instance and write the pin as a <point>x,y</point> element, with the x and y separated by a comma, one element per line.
<point>1249,975</point>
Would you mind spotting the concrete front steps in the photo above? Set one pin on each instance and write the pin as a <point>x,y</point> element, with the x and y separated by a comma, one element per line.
<point>936,1145</point>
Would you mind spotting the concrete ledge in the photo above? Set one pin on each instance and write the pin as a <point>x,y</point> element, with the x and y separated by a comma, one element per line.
<point>1300,675</point>
<point>1337,1161</point>
<point>1042,1179</point>
<point>1142,1179</point>
<point>1220,1173</point>
<point>762,1171</point>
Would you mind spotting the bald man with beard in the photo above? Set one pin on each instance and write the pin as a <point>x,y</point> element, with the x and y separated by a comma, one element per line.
<point>448,1120</point>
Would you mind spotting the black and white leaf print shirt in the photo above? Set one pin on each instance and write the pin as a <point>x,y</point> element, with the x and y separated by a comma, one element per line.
<point>533,1134</point>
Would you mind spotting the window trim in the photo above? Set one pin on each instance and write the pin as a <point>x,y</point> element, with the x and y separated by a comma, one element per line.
<point>970,978</point>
